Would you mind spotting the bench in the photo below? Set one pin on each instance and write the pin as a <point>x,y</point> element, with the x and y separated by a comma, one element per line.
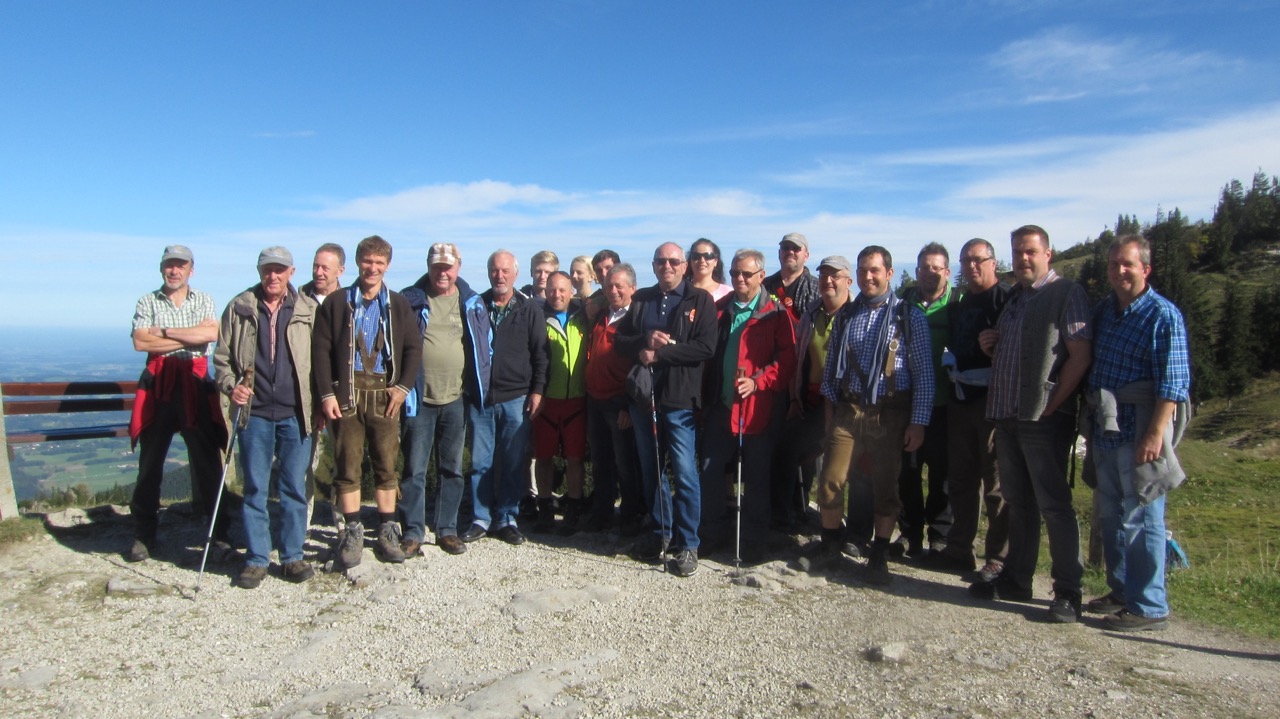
<point>32,398</point>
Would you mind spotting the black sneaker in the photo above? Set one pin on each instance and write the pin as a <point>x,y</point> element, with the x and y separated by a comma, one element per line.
<point>1124,621</point>
<point>685,562</point>
<point>650,549</point>
<point>251,576</point>
<point>297,572</point>
<point>1109,604</point>
<point>388,544</point>
<point>1065,608</point>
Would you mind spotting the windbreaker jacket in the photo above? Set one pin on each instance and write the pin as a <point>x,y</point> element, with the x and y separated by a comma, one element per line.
<point>333,352</point>
<point>238,348</point>
<point>679,365</point>
<point>766,351</point>
<point>567,355</point>
<point>475,324</point>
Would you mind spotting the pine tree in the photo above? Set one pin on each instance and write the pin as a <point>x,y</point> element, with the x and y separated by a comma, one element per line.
<point>1235,352</point>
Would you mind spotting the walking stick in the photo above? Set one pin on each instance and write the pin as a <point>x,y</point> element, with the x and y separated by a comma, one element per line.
<point>222,485</point>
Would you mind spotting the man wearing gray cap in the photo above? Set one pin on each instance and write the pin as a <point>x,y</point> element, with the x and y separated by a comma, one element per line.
<point>795,463</point>
<point>263,368</point>
<point>455,371</point>
<point>793,285</point>
<point>174,326</point>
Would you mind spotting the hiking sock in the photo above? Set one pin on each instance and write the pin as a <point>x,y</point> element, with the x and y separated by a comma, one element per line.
<point>385,517</point>
<point>351,517</point>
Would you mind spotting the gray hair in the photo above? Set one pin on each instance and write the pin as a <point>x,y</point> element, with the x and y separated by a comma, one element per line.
<point>624,268</point>
<point>749,254</point>
<point>508,253</point>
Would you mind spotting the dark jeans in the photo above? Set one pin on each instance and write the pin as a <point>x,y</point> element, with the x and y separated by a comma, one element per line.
<point>917,511</point>
<point>205,465</point>
<point>795,464</point>
<point>615,466</point>
<point>757,456</point>
<point>444,429</point>
<point>1033,473</point>
<point>973,481</point>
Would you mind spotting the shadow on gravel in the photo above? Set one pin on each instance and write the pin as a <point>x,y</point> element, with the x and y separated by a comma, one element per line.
<point>1214,651</point>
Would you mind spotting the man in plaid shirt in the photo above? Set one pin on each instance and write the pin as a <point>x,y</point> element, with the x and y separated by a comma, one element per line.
<point>878,383</point>
<point>1140,348</point>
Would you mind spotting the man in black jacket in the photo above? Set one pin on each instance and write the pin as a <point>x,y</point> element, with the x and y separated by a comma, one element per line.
<point>670,329</point>
<point>500,428</point>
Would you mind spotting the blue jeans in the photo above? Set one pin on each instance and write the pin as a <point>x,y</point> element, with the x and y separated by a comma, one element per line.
<point>1133,539</point>
<point>443,428</point>
<point>676,519</point>
<point>1032,457</point>
<point>499,434</point>
<point>261,442</point>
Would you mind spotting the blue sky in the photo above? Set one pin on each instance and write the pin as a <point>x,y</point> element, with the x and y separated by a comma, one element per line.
<point>577,125</point>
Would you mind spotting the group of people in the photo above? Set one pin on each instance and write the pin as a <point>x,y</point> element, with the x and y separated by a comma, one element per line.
<point>754,393</point>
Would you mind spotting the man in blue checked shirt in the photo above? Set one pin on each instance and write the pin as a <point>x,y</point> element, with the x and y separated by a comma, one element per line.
<point>1140,364</point>
<point>878,383</point>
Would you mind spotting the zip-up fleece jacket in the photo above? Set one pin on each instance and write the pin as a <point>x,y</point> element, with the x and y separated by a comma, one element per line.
<point>238,348</point>
<point>518,348</point>
<point>333,351</point>
<point>567,355</point>
<point>475,323</point>
<point>678,369</point>
<point>766,350</point>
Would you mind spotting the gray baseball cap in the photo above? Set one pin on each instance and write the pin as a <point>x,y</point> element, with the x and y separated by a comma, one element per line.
<point>177,252</point>
<point>797,238</point>
<point>275,256</point>
<point>836,262</point>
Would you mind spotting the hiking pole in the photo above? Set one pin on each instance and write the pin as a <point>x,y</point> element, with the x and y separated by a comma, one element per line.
<point>662,490</point>
<point>222,485</point>
<point>737,533</point>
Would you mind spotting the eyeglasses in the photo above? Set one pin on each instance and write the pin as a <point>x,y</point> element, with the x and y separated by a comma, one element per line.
<point>744,274</point>
<point>975,260</point>
<point>672,261</point>
<point>789,247</point>
<point>931,268</point>
<point>704,256</point>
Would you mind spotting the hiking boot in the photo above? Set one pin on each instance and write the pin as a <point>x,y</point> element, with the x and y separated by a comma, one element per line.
<point>410,547</point>
<point>877,571</point>
<point>856,548</point>
<point>572,515</point>
<point>298,572</point>
<point>1109,604</point>
<point>1126,621</point>
<point>1065,608</point>
<point>546,521</point>
<point>685,563</point>
<point>388,545</point>
<point>251,576</point>
<point>140,551</point>
<point>351,544</point>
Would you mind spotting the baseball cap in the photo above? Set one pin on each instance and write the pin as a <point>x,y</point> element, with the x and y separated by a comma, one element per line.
<point>796,238</point>
<point>177,252</point>
<point>443,253</point>
<point>836,262</point>
<point>275,256</point>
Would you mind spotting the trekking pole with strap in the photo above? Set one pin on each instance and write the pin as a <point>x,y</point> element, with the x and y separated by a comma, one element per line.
<point>737,532</point>
<point>663,493</point>
<point>247,381</point>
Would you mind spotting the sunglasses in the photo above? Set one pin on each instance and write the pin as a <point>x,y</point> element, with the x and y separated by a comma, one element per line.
<point>744,274</point>
<point>672,261</point>
<point>708,256</point>
<point>789,247</point>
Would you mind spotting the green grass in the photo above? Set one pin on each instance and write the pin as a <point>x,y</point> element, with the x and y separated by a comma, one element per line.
<point>19,529</point>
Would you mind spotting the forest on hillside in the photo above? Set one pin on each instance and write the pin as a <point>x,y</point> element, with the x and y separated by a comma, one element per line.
<point>1221,274</point>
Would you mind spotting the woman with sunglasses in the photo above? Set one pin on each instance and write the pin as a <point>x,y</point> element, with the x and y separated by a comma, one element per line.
<point>704,270</point>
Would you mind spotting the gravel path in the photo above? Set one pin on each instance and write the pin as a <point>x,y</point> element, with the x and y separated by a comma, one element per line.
<point>568,628</point>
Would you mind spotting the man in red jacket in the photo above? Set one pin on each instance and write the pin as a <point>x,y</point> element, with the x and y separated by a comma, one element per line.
<point>747,385</point>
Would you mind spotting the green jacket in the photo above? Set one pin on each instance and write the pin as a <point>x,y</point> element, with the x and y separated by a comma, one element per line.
<point>938,315</point>
<point>567,355</point>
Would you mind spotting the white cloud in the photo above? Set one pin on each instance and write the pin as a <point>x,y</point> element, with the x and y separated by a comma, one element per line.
<point>1063,64</point>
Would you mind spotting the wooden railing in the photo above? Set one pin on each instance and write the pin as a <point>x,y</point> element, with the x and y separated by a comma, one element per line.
<point>30,398</point>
